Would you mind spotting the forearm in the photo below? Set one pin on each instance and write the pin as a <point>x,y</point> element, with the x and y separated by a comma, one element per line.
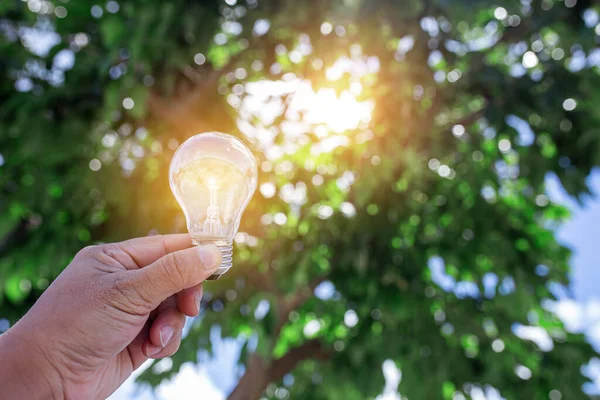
<point>24,371</point>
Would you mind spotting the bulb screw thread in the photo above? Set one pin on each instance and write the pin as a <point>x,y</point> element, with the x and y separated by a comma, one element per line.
<point>226,262</point>
<point>226,250</point>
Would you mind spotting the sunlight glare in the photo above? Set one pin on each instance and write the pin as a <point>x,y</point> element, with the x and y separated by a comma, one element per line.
<point>338,113</point>
<point>322,110</point>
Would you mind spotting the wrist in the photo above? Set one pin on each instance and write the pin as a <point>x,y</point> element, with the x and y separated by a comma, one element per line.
<point>26,372</point>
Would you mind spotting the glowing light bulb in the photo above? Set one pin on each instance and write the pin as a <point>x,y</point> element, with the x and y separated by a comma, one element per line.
<point>213,177</point>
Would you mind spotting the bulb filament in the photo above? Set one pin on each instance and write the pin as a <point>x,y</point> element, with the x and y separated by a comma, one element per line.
<point>213,225</point>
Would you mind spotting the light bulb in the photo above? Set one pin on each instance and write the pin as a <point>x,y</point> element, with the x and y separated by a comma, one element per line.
<point>213,177</point>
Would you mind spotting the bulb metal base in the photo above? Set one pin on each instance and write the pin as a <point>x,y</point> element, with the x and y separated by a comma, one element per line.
<point>226,262</point>
<point>226,250</point>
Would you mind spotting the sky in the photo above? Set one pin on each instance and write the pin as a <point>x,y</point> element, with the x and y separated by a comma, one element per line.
<point>216,377</point>
<point>581,234</point>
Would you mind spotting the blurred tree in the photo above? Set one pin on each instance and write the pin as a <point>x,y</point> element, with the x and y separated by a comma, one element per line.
<point>402,213</point>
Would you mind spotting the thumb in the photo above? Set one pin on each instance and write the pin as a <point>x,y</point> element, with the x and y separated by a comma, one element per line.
<point>174,272</point>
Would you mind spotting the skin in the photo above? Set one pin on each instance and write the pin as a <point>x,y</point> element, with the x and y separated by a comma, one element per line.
<point>112,308</point>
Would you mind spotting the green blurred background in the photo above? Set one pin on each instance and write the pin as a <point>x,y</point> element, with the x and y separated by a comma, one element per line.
<point>402,218</point>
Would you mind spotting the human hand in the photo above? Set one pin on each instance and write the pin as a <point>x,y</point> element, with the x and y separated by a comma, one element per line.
<point>112,308</point>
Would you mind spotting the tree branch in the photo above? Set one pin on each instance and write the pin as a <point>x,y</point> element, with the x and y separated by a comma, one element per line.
<point>298,298</point>
<point>253,383</point>
<point>282,366</point>
<point>258,375</point>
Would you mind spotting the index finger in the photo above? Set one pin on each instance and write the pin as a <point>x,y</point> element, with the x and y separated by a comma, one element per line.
<point>146,250</point>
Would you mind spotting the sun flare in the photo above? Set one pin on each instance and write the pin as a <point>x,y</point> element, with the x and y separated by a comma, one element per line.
<point>322,112</point>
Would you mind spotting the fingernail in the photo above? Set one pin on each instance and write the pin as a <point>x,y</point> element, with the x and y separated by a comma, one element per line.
<point>210,256</point>
<point>198,297</point>
<point>166,333</point>
<point>152,350</point>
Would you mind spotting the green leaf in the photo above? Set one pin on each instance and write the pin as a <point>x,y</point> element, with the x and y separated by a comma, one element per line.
<point>113,31</point>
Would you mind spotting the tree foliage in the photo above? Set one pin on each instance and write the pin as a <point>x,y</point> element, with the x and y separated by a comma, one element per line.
<point>427,218</point>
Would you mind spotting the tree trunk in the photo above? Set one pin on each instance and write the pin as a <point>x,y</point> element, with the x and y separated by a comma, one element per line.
<point>258,375</point>
<point>253,383</point>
